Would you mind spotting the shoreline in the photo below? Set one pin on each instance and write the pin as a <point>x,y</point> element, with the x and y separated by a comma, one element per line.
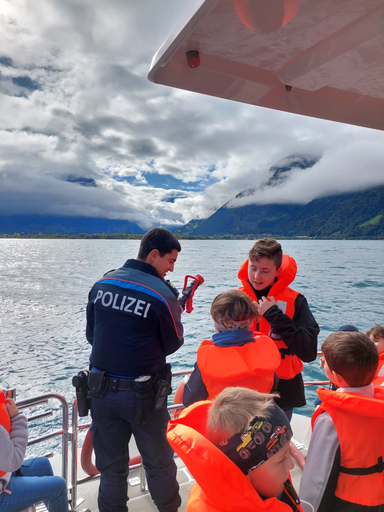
<point>129,236</point>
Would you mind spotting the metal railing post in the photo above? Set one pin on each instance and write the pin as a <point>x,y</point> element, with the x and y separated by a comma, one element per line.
<point>63,432</point>
<point>64,441</point>
<point>74,455</point>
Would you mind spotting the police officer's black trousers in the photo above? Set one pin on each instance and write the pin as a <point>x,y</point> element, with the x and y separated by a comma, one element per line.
<point>112,426</point>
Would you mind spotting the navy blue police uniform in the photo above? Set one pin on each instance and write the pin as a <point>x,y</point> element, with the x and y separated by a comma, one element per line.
<point>133,323</point>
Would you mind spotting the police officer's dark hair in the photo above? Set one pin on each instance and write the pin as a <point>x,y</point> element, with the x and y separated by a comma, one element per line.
<point>158,238</point>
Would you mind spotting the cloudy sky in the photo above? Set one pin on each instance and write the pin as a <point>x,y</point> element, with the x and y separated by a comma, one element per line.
<point>84,133</point>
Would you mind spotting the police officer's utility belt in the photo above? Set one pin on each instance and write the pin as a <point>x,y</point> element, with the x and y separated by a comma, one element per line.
<point>119,384</point>
<point>95,384</point>
<point>151,391</point>
<point>100,382</point>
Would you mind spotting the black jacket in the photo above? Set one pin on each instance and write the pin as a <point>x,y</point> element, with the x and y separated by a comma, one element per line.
<point>133,321</point>
<point>300,335</point>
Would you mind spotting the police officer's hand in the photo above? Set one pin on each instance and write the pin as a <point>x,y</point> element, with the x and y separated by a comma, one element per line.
<point>264,304</point>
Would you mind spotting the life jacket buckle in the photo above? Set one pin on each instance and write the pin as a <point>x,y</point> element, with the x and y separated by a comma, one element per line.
<point>284,352</point>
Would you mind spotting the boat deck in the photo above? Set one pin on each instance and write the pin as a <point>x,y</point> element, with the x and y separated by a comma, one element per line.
<point>140,501</point>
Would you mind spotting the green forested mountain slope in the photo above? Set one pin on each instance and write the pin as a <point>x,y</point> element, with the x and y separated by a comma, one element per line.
<point>240,221</point>
<point>357,215</point>
<point>360,214</point>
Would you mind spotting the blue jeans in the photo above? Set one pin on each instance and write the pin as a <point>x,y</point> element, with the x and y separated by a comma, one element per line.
<point>37,484</point>
<point>113,423</point>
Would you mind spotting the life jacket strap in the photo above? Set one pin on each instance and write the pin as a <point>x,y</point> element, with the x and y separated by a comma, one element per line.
<point>377,468</point>
<point>284,352</point>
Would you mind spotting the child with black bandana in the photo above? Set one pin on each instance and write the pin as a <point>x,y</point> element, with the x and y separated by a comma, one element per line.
<point>237,449</point>
<point>235,356</point>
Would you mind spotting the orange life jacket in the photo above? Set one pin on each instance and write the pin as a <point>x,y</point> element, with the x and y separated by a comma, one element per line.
<point>378,381</point>
<point>359,424</point>
<point>380,368</point>
<point>220,485</point>
<point>250,366</point>
<point>5,420</point>
<point>290,364</point>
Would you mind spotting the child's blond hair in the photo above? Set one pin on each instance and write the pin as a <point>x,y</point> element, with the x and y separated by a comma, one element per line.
<point>233,305</point>
<point>353,356</point>
<point>233,410</point>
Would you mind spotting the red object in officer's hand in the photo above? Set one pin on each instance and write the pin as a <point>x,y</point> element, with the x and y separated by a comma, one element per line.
<point>186,298</point>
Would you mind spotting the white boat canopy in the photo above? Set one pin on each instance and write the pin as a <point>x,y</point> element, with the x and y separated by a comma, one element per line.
<point>319,58</point>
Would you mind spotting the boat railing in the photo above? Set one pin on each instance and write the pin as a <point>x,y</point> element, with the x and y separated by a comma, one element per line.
<point>317,382</point>
<point>76,428</point>
<point>70,436</point>
<point>63,431</point>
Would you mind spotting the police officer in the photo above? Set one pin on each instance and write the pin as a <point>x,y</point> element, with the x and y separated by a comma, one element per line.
<point>133,323</point>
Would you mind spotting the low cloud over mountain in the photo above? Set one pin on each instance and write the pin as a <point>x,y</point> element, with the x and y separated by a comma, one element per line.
<point>83,132</point>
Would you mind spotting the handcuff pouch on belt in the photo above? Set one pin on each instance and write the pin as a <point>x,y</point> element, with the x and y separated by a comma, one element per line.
<point>162,387</point>
<point>98,383</point>
<point>145,399</point>
<point>83,393</point>
<point>152,392</point>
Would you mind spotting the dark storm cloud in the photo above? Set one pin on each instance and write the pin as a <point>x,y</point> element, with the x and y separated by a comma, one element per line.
<point>61,113</point>
<point>49,196</point>
<point>120,79</point>
<point>143,148</point>
<point>88,128</point>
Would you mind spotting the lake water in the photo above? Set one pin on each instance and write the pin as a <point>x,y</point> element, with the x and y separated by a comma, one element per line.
<point>44,287</point>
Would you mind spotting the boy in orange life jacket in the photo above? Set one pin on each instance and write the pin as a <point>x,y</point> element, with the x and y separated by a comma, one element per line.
<point>237,449</point>
<point>284,316</point>
<point>376,334</point>
<point>235,356</point>
<point>344,466</point>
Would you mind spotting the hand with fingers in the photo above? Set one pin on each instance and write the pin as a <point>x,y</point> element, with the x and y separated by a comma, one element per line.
<point>264,304</point>
<point>11,408</point>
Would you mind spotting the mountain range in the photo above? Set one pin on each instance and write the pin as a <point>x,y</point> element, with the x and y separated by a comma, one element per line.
<point>35,224</point>
<point>350,215</point>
